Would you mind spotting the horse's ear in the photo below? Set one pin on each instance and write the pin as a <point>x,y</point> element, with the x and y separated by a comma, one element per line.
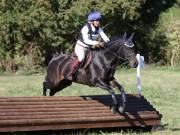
<point>131,37</point>
<point>124,36</point>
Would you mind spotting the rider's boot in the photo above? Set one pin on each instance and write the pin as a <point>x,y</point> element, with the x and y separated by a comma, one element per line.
<point>74,65</point>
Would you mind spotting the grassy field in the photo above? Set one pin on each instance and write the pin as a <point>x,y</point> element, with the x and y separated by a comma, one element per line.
<point>160,85</point>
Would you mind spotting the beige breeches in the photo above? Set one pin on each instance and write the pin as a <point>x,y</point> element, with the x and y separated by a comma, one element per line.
<point>80,51</point>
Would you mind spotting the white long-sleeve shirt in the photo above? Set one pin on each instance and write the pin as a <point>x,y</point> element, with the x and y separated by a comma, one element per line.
<point>86,37</point>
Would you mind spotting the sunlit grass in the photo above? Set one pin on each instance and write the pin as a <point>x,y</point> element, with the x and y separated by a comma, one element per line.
<point>160,85</point>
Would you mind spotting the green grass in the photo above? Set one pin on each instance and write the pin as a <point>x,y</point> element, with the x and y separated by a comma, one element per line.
<point>160,85</point>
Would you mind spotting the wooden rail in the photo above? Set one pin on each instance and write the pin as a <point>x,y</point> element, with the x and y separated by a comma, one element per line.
<point>73,112</point>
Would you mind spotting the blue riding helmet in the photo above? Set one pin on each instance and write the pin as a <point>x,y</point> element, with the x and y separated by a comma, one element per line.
<point>95,15</point>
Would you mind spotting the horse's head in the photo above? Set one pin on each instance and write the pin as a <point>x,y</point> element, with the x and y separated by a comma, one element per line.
<point>125,50</point>
<point>128,51</point>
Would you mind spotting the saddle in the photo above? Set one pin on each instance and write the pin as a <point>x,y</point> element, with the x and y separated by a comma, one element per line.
<point>87,60</point>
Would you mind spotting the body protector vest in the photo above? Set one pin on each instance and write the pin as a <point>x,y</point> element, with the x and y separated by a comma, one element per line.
<point>93,35</point>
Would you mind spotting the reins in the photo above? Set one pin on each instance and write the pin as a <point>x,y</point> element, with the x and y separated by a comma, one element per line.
<point>115,53</point>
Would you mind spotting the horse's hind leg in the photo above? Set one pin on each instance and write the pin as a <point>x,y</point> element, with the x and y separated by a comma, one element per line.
<point>53,91</point>
<point>44,88</point>
<point>62,84</point>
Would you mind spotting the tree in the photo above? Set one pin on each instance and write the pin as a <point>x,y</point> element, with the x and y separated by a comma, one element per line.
<point>172,33</point>
<point>44,27</point>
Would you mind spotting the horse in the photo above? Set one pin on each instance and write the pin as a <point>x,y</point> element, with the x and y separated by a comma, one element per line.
<point>99,73</point>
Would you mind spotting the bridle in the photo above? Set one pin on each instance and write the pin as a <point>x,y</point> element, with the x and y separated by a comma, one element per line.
<point>116,53</point>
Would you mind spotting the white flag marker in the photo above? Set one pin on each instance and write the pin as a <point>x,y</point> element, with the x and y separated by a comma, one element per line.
<point>140,66</point>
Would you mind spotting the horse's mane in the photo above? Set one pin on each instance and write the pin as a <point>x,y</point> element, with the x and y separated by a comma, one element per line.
<point>115,40</point>
<point>113,43</point>
<point>120,40</point>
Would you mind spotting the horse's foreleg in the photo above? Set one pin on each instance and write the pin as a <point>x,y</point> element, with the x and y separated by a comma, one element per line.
<point>107,87</point>
<point>115,84</point>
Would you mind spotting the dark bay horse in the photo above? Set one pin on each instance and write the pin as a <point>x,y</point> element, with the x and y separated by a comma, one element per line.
<point>99,73</point>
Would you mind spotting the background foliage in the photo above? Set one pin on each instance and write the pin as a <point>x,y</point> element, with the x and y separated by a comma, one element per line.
<point>31,31</point>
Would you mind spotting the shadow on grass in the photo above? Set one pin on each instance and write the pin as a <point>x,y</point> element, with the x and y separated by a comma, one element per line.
<point>98,131</point>
<point>165,127</point>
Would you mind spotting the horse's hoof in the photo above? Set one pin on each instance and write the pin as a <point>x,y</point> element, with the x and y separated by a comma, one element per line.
<point>113,109</point>
<point>44,94</point>
<point>121,109</point>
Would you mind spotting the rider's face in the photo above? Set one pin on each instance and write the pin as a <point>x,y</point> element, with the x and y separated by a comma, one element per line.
<point>96,23</point>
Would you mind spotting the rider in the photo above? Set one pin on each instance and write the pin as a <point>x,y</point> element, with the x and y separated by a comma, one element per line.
<point>88,38</point>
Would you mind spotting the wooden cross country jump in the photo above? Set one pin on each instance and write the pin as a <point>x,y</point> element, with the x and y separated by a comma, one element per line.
<point>73,112</point>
